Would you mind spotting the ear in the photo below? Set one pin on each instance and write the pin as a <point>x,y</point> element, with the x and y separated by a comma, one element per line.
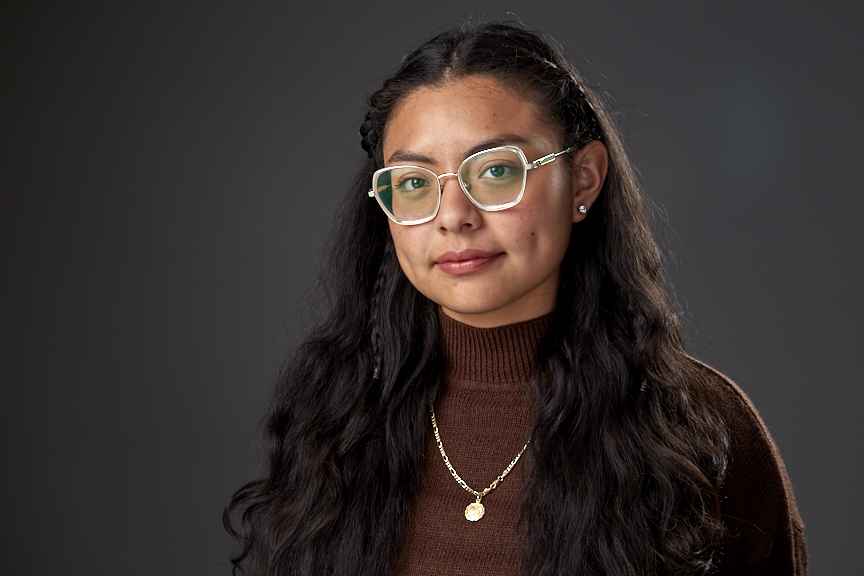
<point>588,166</point>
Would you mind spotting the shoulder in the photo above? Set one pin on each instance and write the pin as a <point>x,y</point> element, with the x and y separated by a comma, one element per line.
<point>749,433</point>
<point>757,496</point>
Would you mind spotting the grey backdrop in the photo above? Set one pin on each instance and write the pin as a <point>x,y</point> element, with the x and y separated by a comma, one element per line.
<point>161,239</point>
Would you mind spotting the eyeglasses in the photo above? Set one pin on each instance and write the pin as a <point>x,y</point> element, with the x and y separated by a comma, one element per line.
<point>492,179</point>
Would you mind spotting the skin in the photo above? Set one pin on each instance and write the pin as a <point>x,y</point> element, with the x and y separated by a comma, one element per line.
<point>442,123</point>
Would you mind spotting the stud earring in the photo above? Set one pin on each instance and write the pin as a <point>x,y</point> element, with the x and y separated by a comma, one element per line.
<point>582,209</point>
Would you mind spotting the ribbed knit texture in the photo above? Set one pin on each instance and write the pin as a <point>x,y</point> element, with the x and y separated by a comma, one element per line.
<point>484,416</point>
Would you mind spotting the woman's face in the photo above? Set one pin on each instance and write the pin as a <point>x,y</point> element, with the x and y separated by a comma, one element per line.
<point>528,240</point>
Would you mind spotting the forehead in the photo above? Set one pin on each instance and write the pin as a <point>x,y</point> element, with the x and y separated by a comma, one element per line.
<point>443,121</point>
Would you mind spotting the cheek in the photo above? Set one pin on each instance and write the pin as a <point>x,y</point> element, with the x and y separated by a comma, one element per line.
<point>408,248</point>
<point>540,235</point>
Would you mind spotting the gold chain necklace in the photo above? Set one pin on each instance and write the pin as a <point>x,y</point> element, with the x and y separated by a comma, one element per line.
<point>475,510</point>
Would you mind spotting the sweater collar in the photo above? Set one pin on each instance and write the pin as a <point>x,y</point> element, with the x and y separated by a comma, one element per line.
<point>500,355</point>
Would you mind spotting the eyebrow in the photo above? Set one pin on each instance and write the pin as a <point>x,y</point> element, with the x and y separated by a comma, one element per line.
<point>499,140</point>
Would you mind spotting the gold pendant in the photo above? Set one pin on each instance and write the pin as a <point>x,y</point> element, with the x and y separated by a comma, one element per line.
<point>474,511</point>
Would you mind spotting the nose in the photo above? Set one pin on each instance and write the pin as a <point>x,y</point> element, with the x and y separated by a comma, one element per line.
<point>456,211</point>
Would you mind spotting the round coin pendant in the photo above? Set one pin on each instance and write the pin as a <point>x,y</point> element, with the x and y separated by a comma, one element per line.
<point>474,511</point>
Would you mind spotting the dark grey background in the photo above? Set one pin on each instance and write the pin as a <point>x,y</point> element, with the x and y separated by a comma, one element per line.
<point>170,179</point>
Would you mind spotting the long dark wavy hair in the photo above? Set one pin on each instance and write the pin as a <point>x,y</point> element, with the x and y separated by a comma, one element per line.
<point>629,454</point>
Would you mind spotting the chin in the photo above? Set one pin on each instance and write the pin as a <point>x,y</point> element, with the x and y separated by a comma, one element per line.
<point>483,305</point>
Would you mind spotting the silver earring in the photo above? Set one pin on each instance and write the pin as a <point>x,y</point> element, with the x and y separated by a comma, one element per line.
<point>582,209</point>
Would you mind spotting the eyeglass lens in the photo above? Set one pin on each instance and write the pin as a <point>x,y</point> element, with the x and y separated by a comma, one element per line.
<point>492,178</point>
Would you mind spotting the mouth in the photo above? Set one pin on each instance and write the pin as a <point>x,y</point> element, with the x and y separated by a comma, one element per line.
<point>460,264</point>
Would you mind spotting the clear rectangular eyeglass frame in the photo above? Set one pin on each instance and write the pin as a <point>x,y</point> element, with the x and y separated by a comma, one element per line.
<point>542,161</point>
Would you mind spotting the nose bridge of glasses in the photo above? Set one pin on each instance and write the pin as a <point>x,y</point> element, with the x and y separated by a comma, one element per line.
<point>445,175</point>
<point>454,175</point>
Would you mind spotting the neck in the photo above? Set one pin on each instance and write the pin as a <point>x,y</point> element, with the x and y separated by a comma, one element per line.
<point>501,356</point>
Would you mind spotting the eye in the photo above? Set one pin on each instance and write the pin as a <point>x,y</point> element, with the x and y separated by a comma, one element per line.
<point>412,183</point>
<point>498,171</point>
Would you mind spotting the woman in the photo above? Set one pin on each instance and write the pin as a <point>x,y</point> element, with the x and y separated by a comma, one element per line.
<point>501,385</point>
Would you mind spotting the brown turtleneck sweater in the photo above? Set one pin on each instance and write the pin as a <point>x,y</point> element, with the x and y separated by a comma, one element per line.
<point>484,418</point>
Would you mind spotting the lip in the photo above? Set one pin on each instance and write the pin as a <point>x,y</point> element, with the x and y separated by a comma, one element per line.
<point>466,261</point>
<point>461,256</point>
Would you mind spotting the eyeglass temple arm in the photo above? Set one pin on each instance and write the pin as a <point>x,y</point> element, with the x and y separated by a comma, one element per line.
<point>548,158</point>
